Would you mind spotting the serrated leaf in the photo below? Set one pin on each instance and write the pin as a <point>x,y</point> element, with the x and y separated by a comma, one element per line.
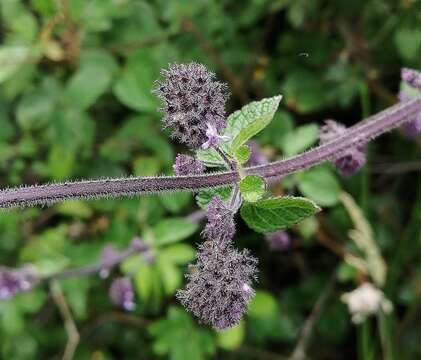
<point>252,188</point>
<point>277,213</point>
<point>210,158</point>
<point>251,119</point>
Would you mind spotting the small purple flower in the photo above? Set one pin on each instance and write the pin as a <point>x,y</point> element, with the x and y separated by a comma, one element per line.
<point>411,77</point>
<point>213,138</point>
<point>138,244</point>
<point>187,165</point>
<point>13,281</point>
<point>191,98</point>
<point>122,294</point>
<point>256,155</point>
<point>109,257</point>
<point>278,240</point>
<point>349,161</point>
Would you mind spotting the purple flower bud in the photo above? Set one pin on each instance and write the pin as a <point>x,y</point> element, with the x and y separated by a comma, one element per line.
<point>191,99</point>
<point>121,293</point>
<point>411,77</point>
<point>13,281</point>
<point>138,245</point>
<point>256,155</point>
<point>219,287</point>
<point>187,165</point>
<point>278,240</point>
<point>349,161</point>
<point>109,257</point>
<point>220,226</point>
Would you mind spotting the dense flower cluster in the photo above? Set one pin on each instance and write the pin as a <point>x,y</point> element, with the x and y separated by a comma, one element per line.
<point>219,283</point>
<point>192,99</point>
<point>348,162</point>
<point>122,294</point>
<point>187,165</point>
<point>13,281</point>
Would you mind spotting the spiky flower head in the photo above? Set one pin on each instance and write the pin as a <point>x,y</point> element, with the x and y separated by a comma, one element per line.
<point>192,98</point>
<point>220,226</point>
<point>411,77</point>
<point>187,165</point>
<point>122,294</point>
<point>13,281</point>
<point>219,285</point>
<point>349,161</point>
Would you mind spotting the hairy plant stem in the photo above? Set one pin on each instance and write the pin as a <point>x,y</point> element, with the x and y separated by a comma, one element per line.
<point>362,132</point>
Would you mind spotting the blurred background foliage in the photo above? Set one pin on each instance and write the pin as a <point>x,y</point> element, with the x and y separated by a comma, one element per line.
<point>76,102</point>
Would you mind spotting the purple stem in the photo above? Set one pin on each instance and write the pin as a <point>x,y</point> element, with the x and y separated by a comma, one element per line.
<point>360,133</point>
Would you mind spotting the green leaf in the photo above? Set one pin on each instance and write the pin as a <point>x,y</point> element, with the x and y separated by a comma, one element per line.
<point>408,43</point>
<point>91,80</point>
<point>277,213</point>
<point>300,139</point>
<point>263,305</point>
<point>172,230</point>
<point>11,59</point>
<point>175,202</point>
<point>205,196</point>
<point>252,188</point>
<point>133,88</point>
<point>210,158</point>
<point>232,338</point>
<point>242,154</point>
<point>251,119</point>
<point>180,338</point>
<point>320,185</point>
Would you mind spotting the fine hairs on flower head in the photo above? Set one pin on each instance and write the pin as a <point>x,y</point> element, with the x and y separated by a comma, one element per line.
<point>349,161</point>
<point>193,102</point>
<point>219,285</point>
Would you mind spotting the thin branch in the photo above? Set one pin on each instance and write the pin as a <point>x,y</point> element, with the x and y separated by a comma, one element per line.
<point>307,331</point>
<point>361,133</point>
<point>94,268</point>
<point>69,324</point>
